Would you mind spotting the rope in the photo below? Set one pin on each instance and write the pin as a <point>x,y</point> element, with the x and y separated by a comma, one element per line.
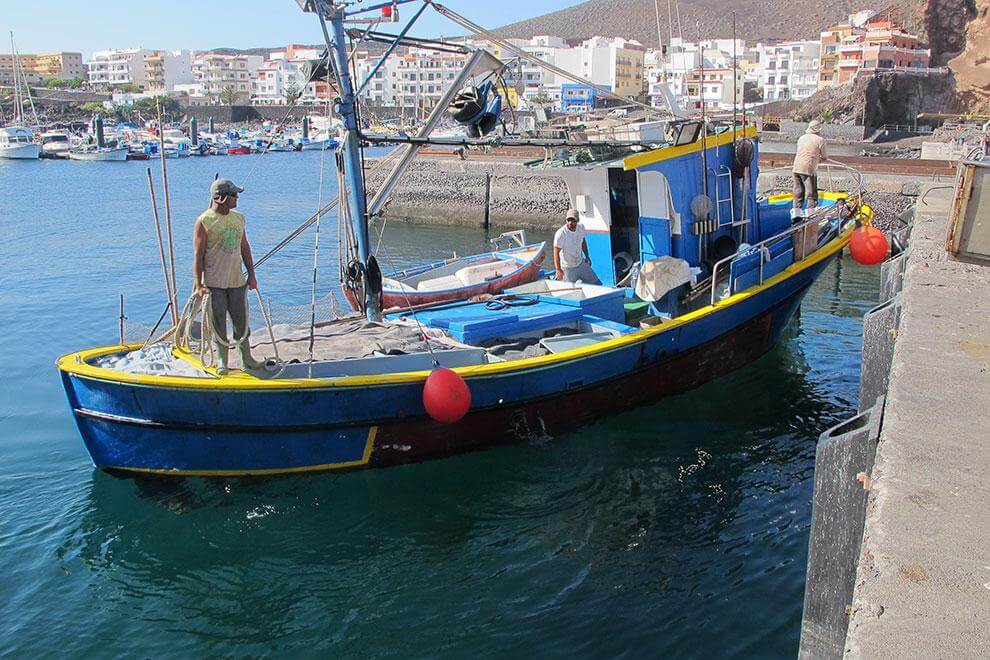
<point>316,250</point>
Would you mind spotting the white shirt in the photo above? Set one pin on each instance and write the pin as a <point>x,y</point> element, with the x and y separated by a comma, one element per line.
<point>809,152</point>
<point>570,242</point>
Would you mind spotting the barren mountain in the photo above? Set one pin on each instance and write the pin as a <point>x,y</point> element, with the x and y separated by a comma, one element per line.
<point>636,19</point>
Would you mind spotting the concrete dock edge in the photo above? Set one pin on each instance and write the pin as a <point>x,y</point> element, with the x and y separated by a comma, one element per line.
<point>923,577</point>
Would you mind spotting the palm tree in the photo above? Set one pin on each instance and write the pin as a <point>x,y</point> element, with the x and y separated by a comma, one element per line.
<point>292,93</point>
<point>228,95</point>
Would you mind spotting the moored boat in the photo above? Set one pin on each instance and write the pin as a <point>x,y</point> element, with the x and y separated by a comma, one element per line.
<point>95,153</point>
<point>720,274</point>
<point>17,143</point>
<point>55,144</point>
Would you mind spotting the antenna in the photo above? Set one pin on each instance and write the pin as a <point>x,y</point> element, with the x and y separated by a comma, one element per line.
<point>734,83</point>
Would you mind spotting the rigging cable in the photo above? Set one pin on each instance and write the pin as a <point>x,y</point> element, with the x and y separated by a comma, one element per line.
<point>316,250</point>
<point>518,52</point>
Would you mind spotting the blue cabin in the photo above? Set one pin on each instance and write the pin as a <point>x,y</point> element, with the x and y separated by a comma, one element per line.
<point>682,202</point>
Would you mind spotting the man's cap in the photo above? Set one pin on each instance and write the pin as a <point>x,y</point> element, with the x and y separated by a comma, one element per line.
<point>223,188</point>
<point>814,126</point>
<point>571,213</point>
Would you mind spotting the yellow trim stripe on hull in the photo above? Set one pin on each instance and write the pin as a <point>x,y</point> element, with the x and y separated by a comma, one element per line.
<point>326,467</point>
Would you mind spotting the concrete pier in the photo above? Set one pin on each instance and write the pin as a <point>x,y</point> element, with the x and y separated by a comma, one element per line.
<point>923,578</point>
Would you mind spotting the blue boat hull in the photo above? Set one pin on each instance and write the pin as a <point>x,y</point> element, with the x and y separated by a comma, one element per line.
<point>185,430</point>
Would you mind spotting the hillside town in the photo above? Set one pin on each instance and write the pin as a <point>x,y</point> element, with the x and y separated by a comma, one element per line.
<point>699,74</point>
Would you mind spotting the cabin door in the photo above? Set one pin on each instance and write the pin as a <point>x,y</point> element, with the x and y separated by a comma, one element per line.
<point>624,207</point>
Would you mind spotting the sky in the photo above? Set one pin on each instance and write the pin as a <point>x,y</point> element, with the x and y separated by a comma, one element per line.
<point>86,26</point>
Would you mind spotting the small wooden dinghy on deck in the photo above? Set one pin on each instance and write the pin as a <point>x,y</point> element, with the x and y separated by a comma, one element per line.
<point>461,278</point>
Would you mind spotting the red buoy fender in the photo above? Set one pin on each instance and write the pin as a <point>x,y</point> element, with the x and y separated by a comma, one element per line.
<point>868,245</point>
<point>446,396</point>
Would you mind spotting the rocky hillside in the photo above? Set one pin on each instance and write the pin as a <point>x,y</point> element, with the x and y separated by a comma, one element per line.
<point>972,66</point>
<point>755,19</point>
<point>885,97</point>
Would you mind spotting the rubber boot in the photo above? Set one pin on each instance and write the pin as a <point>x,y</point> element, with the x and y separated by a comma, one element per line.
<point>247,360</point>
<point>222,355</point>
<point>797,214</point>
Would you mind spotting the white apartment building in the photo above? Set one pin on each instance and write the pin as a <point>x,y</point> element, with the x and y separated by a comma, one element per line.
<point>117,67</point>
<point>164,69</point>
<point>537,81</point>
<point>615,62</point>
<point>789,70</point>
<point>714,88</point>
<point>213,73</point>
<point>419,77</point>
<point>286,71</point>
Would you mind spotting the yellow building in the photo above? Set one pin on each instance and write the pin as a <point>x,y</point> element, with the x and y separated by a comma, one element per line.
<point>38,67</point>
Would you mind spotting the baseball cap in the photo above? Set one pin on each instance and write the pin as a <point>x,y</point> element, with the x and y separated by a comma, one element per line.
<point>571,213</point>
<point>223,188</point>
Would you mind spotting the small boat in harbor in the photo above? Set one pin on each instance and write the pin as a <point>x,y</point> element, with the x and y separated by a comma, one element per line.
<point>461,278</point>
<point>17,140</point>
<point>721,272</point>
<point>307,144</point>
<point>55,144</point>
<point>17,143</point>
<point>98,154</point>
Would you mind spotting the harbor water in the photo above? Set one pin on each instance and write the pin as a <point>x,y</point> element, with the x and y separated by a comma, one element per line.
<point>680,528</point>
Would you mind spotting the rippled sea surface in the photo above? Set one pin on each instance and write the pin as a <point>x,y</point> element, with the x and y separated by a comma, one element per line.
<point>678,529</point>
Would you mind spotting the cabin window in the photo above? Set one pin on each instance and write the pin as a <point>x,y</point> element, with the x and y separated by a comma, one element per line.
<point>653,195</point>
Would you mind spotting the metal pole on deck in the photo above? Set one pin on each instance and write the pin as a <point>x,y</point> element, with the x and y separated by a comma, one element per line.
<point>122,318</point>
<point>161,251</point>
<point>488,199</point>
<point>168,204</point>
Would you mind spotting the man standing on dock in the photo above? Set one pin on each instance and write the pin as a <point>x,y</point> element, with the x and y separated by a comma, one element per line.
<point>570,252</point>
<point>220,246</point>
<point>810,152</point>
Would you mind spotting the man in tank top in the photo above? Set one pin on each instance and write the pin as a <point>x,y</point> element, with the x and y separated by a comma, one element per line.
<point>220,247</point>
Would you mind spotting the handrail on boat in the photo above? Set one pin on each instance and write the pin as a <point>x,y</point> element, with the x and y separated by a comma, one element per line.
<point>828,165</point>
<point>818,215</point>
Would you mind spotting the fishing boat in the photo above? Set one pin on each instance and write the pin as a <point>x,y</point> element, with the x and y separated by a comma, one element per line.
<point>700,276</point>
<point>460,278</point>
<point>308,144</point>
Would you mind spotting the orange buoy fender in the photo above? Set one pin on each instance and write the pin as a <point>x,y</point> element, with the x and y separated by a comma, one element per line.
<point>446,396</point>
<point>868,245</point>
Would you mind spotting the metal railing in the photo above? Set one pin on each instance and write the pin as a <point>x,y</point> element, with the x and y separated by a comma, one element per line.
<point>818,215</point>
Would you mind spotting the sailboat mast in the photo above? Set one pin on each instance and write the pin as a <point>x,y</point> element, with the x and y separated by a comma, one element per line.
<point>18,120</point>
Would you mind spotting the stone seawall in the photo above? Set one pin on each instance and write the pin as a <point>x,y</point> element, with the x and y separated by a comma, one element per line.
<point>449,191</point>
<point>452,192</point>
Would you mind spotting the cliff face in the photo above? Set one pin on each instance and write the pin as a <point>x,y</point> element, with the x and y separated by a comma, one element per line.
<point>885,97</point>
<point>895,97</point>
<point>972,66</point>
<point>945,24</point>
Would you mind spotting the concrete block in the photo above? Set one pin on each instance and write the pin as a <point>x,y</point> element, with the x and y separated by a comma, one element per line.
<point>880,326</point>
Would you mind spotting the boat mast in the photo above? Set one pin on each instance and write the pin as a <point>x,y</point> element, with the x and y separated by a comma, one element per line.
<point>18,120</point>
<point>365,271</point>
